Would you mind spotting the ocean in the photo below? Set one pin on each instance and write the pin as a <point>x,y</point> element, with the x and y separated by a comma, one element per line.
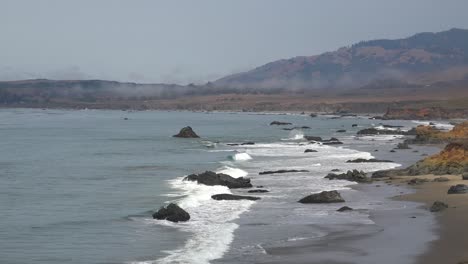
<point>79,186</point>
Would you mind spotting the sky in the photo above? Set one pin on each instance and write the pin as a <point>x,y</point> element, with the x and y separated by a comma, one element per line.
<point>189,41</point>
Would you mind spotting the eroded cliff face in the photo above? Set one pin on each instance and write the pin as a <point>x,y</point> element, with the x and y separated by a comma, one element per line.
<point>429,113</point>
<point>453,159</point>
<point>431,135</point>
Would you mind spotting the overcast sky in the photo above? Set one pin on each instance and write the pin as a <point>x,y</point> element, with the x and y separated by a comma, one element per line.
<point>195,41</point>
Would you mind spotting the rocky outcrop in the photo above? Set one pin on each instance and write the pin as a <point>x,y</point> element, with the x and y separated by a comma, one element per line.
<point>344,209</point>
<point>278,123</point>
<point>453,159</point>
<point>354,175</point>
<point>375,131</point>
<point>211,178</point>
<point>438,206</point>
<point>458,189</point>
<point>186,132</point>
<point>428,113</point>
<point>366,160</point>
<point>465,176</point>
<point>431,135</point>
<point>281,171</point>
<point>172,213</point>
<point>331,141</point>
<point>323,197</point>
<point>403,145</point>
<point>227,196</point>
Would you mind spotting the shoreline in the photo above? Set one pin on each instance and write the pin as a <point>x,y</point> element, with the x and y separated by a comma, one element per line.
<point>450,247</point>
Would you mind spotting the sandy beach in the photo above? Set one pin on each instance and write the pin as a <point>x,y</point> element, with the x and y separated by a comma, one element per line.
<point>451,247</point>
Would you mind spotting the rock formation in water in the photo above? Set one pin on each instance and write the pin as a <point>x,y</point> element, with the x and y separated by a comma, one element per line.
<point>212,178</point>
<point>323,197</point>
<point>172,213</point>
<point>187,132</point>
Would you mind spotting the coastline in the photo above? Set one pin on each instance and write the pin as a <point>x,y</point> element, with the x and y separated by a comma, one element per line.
<point>450,247</point>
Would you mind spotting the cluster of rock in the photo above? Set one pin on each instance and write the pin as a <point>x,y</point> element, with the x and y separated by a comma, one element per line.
<point>227,196</point>
<point>458,189</point>
<point>331,141</point>
<point>354,175</point>
<point>375,131</point>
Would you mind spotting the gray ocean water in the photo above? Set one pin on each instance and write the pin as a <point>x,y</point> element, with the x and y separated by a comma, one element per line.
<point>80,186</point>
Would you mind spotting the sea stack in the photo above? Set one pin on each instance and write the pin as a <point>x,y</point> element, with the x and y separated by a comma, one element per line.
<point>187,132</point>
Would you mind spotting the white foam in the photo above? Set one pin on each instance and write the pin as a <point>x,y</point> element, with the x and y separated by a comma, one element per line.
<point>241,156</point>
<point>233,172</point>
<point>295,135</point>
<point>210,223</point>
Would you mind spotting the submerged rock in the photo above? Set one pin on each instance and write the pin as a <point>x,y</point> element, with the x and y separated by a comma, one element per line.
<point>258,191</point>
<point>241,144</point>
<point>354,175</point>
<point>211,178</point>
<point>278,123</point>
<point>366,160</point>
<point>441,179</point>
<point>344,209</point>
<point>172,213</point>
<point>323,197</point>
<point>313,138</point>
<point>417,181</point>
<point>341,131</point>
<point>187,132</point>
<point>458,189</point>
<point>281,171</point>
<point>403,145</point>
<point>438,206</point>
<point>227,196</point>
<point>310,150</point>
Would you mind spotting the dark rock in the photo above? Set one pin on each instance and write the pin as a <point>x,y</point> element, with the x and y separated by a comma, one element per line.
<point>259,186</point>
<point>465,176</point>
<point>438,206</point>
<point>354,125</point>
<point>354,175</point>
<point>211,178</point>
<point>186,132</point>
<point>125,118</point>
<point>313,138</point>
<point>403,145</point>
<point>344,209</point>
<point>366,160</point>
<point>241,144</point>
<point>310,150</point>
<point>172,213</point>
<point>323,197</point>
<point>341,131</point>
<point>258,191</point>
<point>226,196</point>
<point>281,171</point>
<point>313,115</point>
<point>417,181</point>
<point>375,131</point>
<point>335,170</point>
<point>441,179</point>
<point>458,189</point>
<point>331,141</point>
<point>278,123</point>
<point>391,126</point>
<point>392,150</point>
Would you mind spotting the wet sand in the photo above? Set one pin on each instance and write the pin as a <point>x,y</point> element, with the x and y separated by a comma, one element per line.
<point>452,245</point>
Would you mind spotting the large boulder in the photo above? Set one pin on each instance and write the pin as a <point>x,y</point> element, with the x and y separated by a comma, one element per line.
<point>226,196</point>
<point>212,178</point>
<point>323,197</point>
<point>258,191</point>
<point>172,213</point>
<point>465,176</point>
<point>344,209</point>
<point>187,132</point>
<point>458,189</point>
<point>354,175</point>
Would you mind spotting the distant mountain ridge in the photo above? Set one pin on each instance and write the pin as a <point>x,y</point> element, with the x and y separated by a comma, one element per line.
<point>421,58</point>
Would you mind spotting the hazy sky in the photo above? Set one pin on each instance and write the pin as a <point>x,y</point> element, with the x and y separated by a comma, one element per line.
<point>195,40</point>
